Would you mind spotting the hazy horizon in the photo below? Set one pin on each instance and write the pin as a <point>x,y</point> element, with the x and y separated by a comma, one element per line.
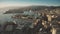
<point>22,3</point>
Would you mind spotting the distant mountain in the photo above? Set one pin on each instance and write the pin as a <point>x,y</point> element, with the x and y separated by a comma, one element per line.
<point>33,8</point>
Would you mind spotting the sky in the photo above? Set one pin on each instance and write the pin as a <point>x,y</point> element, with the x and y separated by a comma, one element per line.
<point>8,3</point>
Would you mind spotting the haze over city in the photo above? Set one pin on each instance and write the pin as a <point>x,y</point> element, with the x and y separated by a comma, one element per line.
<point>29,16</point>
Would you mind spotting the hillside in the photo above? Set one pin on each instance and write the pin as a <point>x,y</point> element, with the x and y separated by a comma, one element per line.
<point>35,8</point>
